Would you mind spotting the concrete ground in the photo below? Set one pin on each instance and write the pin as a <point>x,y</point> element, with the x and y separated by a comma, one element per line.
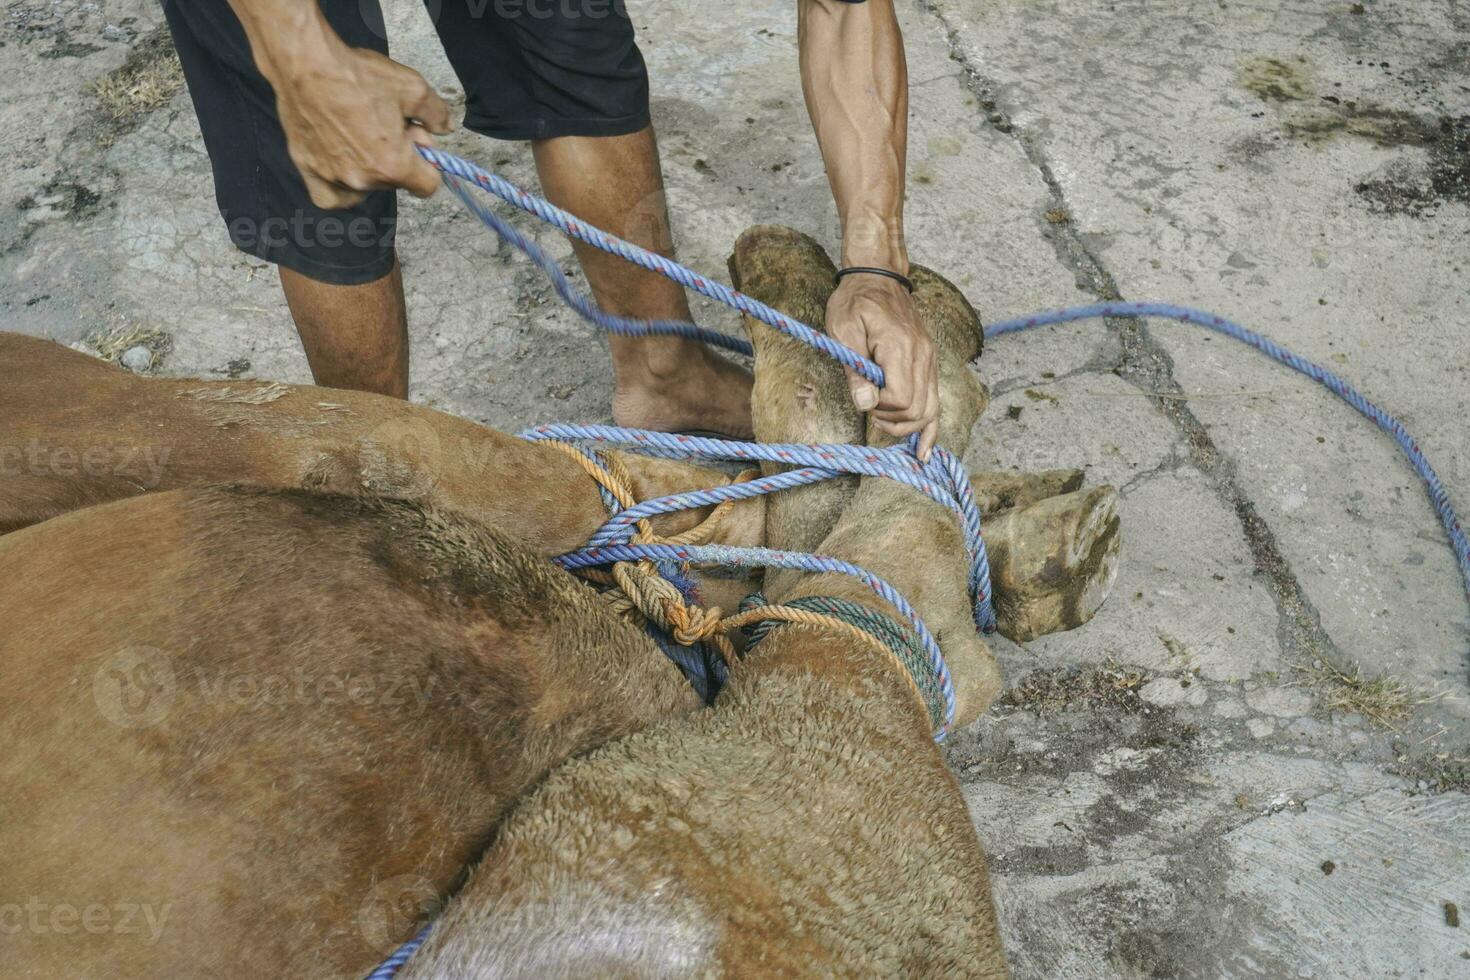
<point>1253,762</point>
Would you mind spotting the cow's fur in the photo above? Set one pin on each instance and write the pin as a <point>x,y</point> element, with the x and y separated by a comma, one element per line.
<point>805,825</point>
<point>249,710</point>
<point>79,431</point>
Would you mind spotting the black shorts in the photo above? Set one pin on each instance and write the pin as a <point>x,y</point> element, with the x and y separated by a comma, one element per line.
<point>531,69</point>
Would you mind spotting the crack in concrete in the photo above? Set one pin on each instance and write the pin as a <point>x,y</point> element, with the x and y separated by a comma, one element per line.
<point>1171,463</point>
<point>1008,385</point>
<point>1146,365</point>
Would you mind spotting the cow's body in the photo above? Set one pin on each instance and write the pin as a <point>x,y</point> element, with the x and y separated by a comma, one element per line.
<point>279,722</point>
<point>271,717</point>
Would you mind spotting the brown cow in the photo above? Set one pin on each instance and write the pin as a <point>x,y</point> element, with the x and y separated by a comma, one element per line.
<point>282,711</point>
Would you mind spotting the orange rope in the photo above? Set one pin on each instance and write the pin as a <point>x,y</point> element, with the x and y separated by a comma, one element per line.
<point>637,590</point>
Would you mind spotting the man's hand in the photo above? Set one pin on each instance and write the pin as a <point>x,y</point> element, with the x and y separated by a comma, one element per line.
<point>351,125</point>
<point>876,316</point>
<point>351,115</point>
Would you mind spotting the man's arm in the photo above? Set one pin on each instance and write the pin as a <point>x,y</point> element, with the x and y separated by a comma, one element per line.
<point>855,80</point>
<point>351,116</point>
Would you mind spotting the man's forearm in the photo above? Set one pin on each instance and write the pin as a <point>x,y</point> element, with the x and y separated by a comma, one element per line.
<point>288,38</point>
<point>855,80</point>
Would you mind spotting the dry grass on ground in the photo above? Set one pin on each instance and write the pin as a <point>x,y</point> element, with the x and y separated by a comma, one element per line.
<point>1111,686</point>
<point>111,342</point>
<point>1382,699</point>
<point>148,79</point>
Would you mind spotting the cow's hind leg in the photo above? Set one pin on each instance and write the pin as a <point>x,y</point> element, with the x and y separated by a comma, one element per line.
<point>799,394</point>
<point>80,432</point>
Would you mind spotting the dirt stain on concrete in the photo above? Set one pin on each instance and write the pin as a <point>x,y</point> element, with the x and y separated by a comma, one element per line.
<point>1278,80</point>
<point>71,49</point>
<point>1418,189</point>
<point>1412,187</point>
<point>1155,955</point>
<point>1386,127</point>
<point>1139,756</point>
<point>65,197</point>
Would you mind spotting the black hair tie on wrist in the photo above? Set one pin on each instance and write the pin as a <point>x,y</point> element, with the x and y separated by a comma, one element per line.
<point>898,277</point>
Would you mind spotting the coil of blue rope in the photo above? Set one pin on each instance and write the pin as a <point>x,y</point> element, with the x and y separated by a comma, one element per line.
<point>942,479</point>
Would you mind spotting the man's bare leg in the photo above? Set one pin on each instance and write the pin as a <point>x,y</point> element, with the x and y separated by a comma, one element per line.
<point>355,336</point>
<point>663,383</point>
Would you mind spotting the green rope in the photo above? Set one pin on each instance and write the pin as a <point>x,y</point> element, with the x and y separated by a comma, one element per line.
<point>887,630</point>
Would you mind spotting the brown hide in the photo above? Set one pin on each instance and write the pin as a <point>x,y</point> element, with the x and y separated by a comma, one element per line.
<point>258,721</point>
<point>79,431</point>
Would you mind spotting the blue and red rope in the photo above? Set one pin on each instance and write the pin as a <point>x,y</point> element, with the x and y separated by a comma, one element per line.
<point>943,478</point>
<point>459,174</point>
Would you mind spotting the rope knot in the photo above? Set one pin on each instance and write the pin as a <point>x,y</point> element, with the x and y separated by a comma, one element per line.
<point>692,624</point>
<point>645,576</point>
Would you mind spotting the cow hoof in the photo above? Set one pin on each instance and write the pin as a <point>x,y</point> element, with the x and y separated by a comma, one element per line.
<point>1053,562</point>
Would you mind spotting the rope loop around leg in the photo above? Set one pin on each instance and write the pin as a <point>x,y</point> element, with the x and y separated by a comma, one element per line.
<point>459,175</point>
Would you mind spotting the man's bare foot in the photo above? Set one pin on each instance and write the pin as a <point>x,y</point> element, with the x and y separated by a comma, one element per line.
<point>680,386</point>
